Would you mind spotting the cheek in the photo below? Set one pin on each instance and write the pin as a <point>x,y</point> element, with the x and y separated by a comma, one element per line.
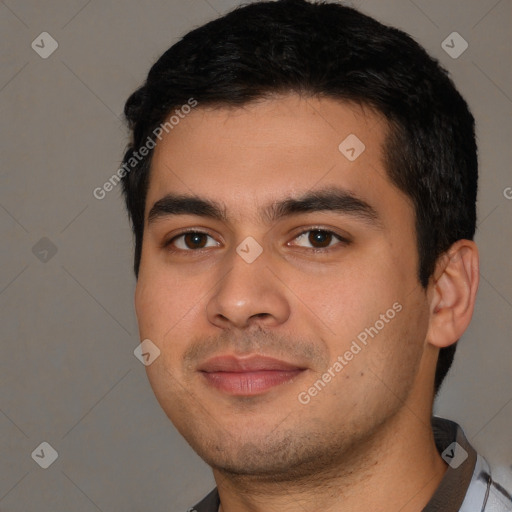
<point>347,300</point>
<point>394,355</point>
<point>374,302</point>
<point>164,307</point>
<point>164,313</point>
<point>149,306</point>
<point>158,308</point>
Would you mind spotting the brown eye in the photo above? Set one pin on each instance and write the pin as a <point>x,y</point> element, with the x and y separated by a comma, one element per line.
<point>192,240</point>
<point>195,240</point>
<point>318,238</point>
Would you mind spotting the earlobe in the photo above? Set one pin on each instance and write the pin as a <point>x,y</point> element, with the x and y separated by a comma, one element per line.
<point>453,293</point>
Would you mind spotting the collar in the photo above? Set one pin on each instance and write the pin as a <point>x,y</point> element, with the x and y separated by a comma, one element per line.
<point>461,457</point>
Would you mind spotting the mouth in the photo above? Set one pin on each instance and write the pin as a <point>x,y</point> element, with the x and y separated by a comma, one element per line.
<point>248,376</point>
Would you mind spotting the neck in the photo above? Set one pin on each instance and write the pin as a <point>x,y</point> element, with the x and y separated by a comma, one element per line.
<point>397,468</point>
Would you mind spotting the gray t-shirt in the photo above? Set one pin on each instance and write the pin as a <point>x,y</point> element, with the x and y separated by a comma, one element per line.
<point>467,485</point>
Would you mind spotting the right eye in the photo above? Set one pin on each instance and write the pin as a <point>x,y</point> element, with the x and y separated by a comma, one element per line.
<point>191,241</point>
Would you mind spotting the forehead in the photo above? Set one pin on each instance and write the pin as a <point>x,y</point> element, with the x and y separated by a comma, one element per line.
<point>245,157</point>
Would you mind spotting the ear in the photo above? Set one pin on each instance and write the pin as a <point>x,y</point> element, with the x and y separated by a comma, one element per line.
<point>452,292</point>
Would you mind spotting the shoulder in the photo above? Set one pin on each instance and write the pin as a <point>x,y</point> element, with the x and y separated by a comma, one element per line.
<point>488,491</point>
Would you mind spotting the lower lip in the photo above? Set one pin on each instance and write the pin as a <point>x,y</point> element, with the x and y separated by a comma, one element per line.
<point>249,383</point>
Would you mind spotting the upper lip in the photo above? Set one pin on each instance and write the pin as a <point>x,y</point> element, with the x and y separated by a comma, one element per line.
<point>252,363</point>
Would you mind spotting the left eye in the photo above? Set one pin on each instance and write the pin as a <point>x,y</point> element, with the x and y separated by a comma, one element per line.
<point>318,239</point>
<point>193,240</point>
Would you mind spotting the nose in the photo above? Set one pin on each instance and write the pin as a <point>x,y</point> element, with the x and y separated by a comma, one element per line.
<point>248,294</point>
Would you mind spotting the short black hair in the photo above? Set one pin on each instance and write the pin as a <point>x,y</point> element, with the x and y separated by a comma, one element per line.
<point>325,49</point>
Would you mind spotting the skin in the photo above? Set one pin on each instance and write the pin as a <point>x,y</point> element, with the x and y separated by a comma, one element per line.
<point>365,439</point>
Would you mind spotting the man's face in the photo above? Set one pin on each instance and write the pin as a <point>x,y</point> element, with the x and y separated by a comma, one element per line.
<point>243,341</point>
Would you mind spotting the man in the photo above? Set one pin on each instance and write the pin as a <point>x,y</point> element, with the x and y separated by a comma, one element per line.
<point>302,184</point>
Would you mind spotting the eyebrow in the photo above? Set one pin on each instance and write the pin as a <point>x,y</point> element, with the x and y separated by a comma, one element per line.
<point>331,199</point>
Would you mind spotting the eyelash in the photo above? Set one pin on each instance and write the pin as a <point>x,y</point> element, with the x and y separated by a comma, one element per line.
<point>341,240</point>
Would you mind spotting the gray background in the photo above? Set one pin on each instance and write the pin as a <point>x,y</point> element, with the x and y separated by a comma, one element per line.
<point>68,375</point>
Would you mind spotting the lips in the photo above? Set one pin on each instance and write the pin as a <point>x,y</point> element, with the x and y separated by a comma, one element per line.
<point>247,376</point>
<point>247,364</point>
